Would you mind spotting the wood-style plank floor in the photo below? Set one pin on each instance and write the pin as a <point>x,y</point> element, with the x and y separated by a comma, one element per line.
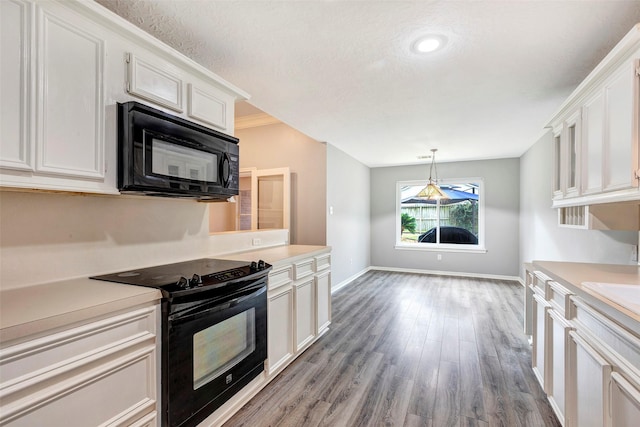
<point>411,350</point>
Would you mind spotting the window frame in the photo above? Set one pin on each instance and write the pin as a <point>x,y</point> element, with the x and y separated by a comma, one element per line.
<point>443,247</point>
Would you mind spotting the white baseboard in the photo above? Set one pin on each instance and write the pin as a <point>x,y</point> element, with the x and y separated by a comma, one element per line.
<point>347,281</point>
<point>447,273</point>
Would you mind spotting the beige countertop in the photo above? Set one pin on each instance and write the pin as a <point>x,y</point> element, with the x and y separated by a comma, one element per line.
<point>278,254</point>
<point>34,309</point>
<point>573,274</point>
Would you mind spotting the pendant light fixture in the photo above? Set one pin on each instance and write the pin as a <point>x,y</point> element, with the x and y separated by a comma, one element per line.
<point>432,191</point>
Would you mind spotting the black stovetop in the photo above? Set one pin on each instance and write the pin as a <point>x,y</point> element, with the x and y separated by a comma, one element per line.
<point>195,274</point>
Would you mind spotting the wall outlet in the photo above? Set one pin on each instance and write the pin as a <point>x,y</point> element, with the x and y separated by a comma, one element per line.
<point>256,242</point>
<point>439,257</point>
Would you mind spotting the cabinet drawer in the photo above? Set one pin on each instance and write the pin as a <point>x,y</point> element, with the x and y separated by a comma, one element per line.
<point>71,346</point>
<point>540,281</point>
<point>280,277</point>
<point>115,392</point>
<point>606,334</point>
<point>538,294</point>
<point>322,262</point>
<point>559,296</point>
<point>303,269</point>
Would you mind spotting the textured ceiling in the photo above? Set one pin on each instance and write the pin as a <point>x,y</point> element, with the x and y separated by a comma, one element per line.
<point>343,72</point>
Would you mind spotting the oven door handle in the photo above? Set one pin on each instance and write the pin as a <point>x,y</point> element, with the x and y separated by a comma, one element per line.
<point>213,306</point>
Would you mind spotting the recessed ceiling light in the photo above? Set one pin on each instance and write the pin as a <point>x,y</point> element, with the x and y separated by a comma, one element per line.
<point>429,43</point>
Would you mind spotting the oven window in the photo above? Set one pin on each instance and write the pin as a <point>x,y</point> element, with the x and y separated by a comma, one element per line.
<point>183,162</point>
<point>219,347</point>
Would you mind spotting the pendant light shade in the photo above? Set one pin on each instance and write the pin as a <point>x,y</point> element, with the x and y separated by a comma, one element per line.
<point>432,191</point>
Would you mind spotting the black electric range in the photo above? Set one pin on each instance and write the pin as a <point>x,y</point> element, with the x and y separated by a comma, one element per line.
<point>188,277</point>
<point>213,331</point>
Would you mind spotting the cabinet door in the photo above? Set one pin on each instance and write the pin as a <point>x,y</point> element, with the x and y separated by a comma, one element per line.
<point>558,181</point>
<point>305,313</point>
<point>323,298</point>
<point>558,337</point>
<point>539,326</point>
<point>592,141</point>
<point>528,302</point>
<point>620,144</point>
<point>572,136</point>
<point>625,402</point>
<point>211,106</point>
<point>587,385</point>
<point>279,329</point>
<point>15,48</point>
<point>70,94</point>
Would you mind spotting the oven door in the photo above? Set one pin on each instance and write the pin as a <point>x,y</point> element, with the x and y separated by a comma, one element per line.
<point>213,349</point>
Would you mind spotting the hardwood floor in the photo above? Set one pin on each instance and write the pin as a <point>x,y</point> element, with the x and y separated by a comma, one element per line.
<point>411,350</point>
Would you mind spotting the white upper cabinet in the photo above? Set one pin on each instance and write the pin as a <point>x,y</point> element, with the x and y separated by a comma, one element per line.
<point>53,100</point>
<point>621,115</point>
<point>592,143</point>
<point>596,132</point>
<point>64,66</point>
<point>15,48</point>
<point>69,88</point>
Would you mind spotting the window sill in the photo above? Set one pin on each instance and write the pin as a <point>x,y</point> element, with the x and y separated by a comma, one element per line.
<point>442,248</point>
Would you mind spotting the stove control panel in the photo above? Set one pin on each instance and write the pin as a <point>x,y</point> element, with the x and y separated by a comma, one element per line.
<point>221,277</point>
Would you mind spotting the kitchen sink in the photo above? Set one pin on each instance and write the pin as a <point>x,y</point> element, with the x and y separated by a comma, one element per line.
<point>627,296</point>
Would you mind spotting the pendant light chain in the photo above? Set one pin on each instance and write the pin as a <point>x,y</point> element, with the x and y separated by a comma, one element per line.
<point>432,191</point>
<point>433,162</point>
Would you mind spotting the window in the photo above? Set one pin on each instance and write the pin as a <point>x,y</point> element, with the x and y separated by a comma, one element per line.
<point>453,224</point>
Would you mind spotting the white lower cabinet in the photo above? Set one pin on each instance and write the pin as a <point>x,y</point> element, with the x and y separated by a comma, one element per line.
<point>558,338</point>
<point>585,356</point>
<point>99,373</point>
<point>587,386</point>
<point>625,402</point>
<point>299,308</point>
<point>305,313</point>
<point>280,329</point>
<point>323,301</point>
<point>539,334</point>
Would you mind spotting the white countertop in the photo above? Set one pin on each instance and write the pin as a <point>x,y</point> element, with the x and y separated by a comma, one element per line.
<point>573,274</point>
<point>35,309</point>
<point>278,254</point>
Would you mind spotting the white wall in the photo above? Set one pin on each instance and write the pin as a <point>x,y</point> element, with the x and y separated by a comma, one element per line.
<point>348,227</point>
<point>501,187</point>
<point>278,145</point>
<point>46,237</point>
<point>540,236</point>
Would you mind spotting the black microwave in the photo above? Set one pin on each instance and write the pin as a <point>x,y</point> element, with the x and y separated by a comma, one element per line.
<point>163,155</point>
